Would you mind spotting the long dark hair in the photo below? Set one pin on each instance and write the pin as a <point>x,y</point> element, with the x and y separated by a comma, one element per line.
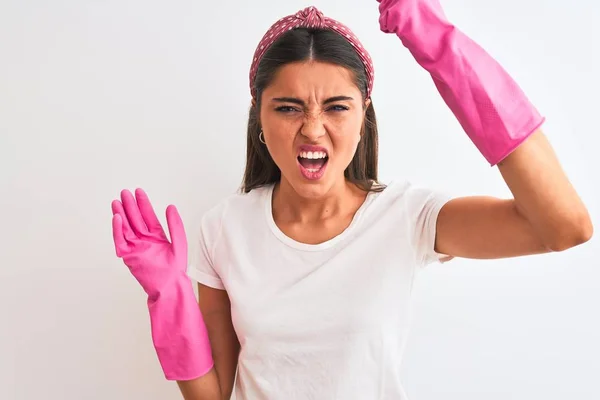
<point>303,44</point>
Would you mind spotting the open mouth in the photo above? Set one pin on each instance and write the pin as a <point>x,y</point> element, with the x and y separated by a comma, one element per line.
<point>312,163</point>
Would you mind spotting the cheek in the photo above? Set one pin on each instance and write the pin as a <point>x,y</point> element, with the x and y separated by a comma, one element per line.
<point>345,144</point>
<point>345,133</point>
<point>277,129</point>
<point>279,123</point>
<point>280,135</point>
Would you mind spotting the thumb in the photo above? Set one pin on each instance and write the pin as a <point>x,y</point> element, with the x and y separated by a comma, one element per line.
<point>176,231</point>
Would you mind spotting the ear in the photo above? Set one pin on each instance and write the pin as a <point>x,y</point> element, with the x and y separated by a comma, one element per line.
<point>367,104</point>
<point>253,102</point>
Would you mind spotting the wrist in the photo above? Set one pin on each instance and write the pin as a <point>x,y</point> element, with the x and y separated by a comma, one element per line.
<point>171,288</point>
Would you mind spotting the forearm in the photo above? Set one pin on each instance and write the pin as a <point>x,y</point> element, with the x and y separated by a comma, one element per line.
<point>544,196</point>
<point>196,377</point>
<point>203,388</point>
<point>546,212</point>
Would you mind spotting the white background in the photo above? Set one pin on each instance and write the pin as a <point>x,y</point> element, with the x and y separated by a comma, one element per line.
<point>96,96</point>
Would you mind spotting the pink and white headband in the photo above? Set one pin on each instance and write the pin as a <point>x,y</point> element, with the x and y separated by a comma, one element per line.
<point>310,17</point>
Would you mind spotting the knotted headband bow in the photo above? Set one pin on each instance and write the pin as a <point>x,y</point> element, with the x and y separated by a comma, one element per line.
<point>310,17</point>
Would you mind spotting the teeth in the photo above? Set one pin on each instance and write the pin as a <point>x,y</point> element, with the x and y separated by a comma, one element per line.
<point>313,154</point>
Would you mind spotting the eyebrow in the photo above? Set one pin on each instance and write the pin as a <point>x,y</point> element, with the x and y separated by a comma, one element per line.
<point>301,102</point>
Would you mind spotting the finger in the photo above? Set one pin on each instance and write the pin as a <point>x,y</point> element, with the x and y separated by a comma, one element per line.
<point>149,216</point>
<point>176,231</point>
<point>121,245</point>
<point>117,209</point>
<point>133,213</point>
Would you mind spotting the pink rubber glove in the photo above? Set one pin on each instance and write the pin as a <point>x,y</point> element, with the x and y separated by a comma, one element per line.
<point>489,105</point>
<point>178,331</point>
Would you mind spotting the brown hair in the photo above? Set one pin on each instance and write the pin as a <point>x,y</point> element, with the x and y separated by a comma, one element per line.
<point>321,45</point>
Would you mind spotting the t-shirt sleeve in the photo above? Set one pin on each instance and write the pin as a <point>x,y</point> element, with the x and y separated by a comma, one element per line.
<point>426,205</point>
<point>201,266</point>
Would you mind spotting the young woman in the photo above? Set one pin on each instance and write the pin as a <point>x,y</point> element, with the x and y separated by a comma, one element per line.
<point>305,276</point>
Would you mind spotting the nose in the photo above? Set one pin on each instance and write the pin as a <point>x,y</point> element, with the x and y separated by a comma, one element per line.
<point>313,127</point>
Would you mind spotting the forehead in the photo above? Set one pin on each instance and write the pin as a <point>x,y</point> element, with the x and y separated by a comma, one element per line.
<point>313,78</point>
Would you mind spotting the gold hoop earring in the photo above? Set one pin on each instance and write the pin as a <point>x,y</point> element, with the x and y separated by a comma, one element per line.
<point>261,137</point>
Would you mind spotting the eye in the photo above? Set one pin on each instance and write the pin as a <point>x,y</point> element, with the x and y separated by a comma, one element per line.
<point>338,108</point>
<point>285,109</point>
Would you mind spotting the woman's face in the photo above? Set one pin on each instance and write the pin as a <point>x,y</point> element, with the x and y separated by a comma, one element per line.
<point>311,116</point>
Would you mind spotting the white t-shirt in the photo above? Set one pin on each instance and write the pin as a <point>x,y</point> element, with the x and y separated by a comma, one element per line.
<point>324,321</point>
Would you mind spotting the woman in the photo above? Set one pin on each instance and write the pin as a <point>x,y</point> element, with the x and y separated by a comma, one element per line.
<point>305,277</point>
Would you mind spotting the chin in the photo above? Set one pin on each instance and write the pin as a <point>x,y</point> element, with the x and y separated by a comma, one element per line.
<point>314,189</point>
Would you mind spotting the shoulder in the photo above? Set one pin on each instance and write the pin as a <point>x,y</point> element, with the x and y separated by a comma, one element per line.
<point>235,208</point>
<point>415,208</point>
<point>403,203</point>
<point>409,196</point>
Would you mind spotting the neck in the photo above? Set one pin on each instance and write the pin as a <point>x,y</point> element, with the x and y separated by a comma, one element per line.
<point>340,200</point>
